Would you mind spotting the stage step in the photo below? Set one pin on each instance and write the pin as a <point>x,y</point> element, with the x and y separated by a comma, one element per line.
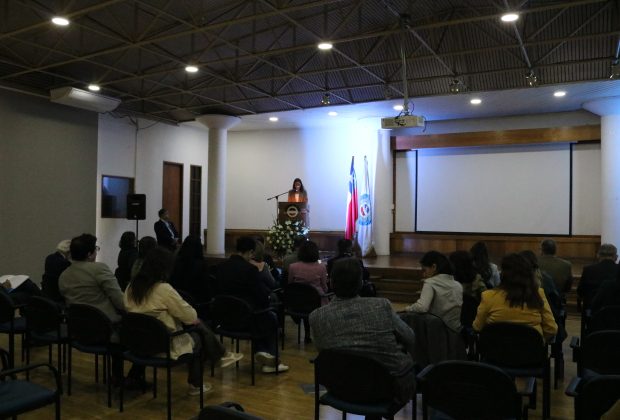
<point>398,290</point>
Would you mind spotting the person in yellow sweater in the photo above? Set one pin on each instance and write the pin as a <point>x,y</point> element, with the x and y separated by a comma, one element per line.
<point>518,299</point>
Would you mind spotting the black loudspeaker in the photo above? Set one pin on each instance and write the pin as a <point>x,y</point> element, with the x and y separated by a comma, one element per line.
<point>136,206</point>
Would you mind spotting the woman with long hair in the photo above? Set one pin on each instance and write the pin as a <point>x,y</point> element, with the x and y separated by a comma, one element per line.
<point>190,273</point>
<point>126,257</point>
<point>297,193</point>
<point>518,299</point>
<point>487,270</point>
<point>465,273</point>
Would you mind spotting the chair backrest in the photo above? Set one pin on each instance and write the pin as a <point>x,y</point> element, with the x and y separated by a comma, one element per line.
<point>301,298</point>
<point>42,315</point>
<point>596,395</point>
<point>512,345</point>
<point>144,335</point>
<point>469,310</point>
<point>353,377</point>
<point>88,325</point>
<point>4,359</point>
<point>231,313</point>
<point>470,390</point>
<point>606,318</point>
<point>7,308</point>
<point>600,352</point>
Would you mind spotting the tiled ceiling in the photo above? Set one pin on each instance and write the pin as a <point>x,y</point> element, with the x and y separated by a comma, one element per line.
<point>261,56</point>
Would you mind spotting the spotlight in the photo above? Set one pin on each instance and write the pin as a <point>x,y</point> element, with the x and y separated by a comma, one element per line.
<point>531,79</point>
<point>615,70</point>
<point>326,99</point>
<point>325,46</point>
<point>398,107</point>
<point>509,17</point>
<point>94,88</point>
<point>191,69</point>
<point>60,21</point>
<point>456,86</point>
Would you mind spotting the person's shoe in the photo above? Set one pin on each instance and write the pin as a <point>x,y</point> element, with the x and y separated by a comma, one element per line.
<point>230,358</point>
<point>265,359</point>
<point>195,390</point>
<point>272,369</point>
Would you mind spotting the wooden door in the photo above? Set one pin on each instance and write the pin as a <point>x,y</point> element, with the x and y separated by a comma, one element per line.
<point>172,194</point>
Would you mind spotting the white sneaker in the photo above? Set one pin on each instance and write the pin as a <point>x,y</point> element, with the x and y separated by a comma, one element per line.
<point>230,358</point>
<point>272,369</point>
<point>265,359</point>
<point>195,390</point>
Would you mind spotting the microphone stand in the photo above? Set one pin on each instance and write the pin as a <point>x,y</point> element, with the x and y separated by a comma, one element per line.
<point>276,197</point>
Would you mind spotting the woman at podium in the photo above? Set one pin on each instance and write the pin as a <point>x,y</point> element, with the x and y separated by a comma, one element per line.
<point>297,194</point>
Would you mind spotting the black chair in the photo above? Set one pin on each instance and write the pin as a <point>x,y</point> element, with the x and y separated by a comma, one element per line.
<point>597,353</point>
<point>233,317</point>
<point>469,309</point>
<point>521,352</point>
<point>355,384</point>
<point>11,325</point>
<point>225,411</point>
<point>470,390</point>
<point>19,396</point>
<point>299,300</point>
<point>45,326</point>
<point>146,337</point>
<point>606,318</point>
<point>89,332</point>
<point>594,396</point>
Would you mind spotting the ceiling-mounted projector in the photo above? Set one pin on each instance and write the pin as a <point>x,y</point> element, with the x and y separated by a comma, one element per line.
<point>83,99</point>
<point>403,121</point>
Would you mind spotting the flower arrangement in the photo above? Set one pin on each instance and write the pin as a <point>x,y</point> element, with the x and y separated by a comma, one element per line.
<point>282,235</point>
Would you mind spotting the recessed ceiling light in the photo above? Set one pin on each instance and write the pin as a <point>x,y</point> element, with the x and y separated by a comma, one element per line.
<point>509,17</point>
<point>332,113</point>
<point>60,21</point>
<point>476,101</point>
<point>398,107</point>
<point>273,119</point>
<point>94,88</point>
<point>191,69</point>
<point>325,46</point>
<point>559,93</point>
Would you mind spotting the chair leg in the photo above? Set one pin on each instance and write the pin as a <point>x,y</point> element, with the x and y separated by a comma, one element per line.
<point>57,404</point>
<point>69,370</point>
<point>97,369</point>
<point>108,377</point>
<point>169,392</point>
<point>252,358</point>
<point>299,333</point>
<point>154,382</point>
<point>122,389</point>
<point>283,330</point>
<point>547,394</point>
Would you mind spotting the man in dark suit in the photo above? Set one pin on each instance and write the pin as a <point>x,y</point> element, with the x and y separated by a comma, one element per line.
<point>238,277</point>
<point>559,269</point>
<point>167,235</point>
<point>55,264</point>
<point>594,275</point>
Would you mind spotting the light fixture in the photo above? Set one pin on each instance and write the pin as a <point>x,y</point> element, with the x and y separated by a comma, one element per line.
<point>476,101</point>
<point>332,113</point>
<point>531,79</point>
<point>325,46</point>
<point>615,69</point>
<point>60,21</point>
<point>191,69</point>
<point>83,99</point>
<point>326,99</point>
<point>559,93</point>
<point>457,86</point>
<point>94,88</point>
<point>509,17</point>
<point>273,119</point>
<point>398,107</point>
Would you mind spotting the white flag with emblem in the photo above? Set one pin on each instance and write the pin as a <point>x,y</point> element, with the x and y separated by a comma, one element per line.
<point>364,220</point>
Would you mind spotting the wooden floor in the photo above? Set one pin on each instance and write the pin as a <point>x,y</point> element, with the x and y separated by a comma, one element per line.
<point>274,397</point>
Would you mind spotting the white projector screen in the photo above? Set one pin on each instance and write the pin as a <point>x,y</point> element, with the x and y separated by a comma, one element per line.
<point>500,189</point>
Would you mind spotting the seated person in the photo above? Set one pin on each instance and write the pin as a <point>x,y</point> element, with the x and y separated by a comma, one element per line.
<point>191,273</point>
<point>126,257</point>
<point>608,294</point>
<point>21,294</point>
<point>594,275</point>
<point>465,273</point>
<point>518,299</point>
<point>365,325</point>
<point>345,250</point>
<point>55,264</point>
<point>144,246</point>
<point>487,270</point>
<point>149,294</point>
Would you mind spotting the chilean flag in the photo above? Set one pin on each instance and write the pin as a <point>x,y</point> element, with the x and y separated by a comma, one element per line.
<point>349,231</point>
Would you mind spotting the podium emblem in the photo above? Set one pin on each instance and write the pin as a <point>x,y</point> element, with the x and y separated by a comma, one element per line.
<point>292,211</point>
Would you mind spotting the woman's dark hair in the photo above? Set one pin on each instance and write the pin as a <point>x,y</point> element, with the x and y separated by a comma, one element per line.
<point>463,264</point>
<point>480,254</point>
<point>438,259</point>
<point>145,245</point>
<point>301,189</point>
<point>128,240</point>
<point>245,244</point>
<point>519,283</point>
<point>530,257</point>
<point>346,277</point>
<point>184,265</point>
<point>155,269</point>
<point>308,252</point>
<point>345,247</point>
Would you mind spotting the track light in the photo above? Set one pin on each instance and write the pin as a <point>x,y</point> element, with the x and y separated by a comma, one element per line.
<point>457,86</point>
<point>531,79</point>
<point>326,99</point>
<point>615,70</point>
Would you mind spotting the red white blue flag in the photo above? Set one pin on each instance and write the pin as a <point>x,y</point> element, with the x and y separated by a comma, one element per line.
<point>364,222</point>
<point>349,231</point>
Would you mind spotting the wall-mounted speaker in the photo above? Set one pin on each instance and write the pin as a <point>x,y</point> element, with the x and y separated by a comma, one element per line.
<point>136,206</point>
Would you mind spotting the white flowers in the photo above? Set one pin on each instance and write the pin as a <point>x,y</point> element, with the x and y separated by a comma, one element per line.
<point>282,236</point>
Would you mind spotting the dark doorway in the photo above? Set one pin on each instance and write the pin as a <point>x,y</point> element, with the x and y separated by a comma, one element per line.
<point>172,193</point>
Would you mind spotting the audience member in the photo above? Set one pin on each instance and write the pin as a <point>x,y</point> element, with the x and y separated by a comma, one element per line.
<point>238,277</point>
<point>268,259</point>
<point>126,257</point>
<point>264,270</point>
<point>518,299</point>
<point>166,233</point>
<point>608,294</point>
<point>365,325</point>
<point>22,292</point>
<point>560,270</point>
<point>291,258</point>
<point>191,273</point>
<point>149,294</point>
<point>345,250</point>
<point>55,264</point>
<point>594,275</point>
<point>441,295</point>
<point>144,246</point>
<point>487,270</point>
<point>465,273</point>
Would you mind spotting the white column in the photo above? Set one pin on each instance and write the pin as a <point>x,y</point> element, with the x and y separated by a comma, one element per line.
<point>383,193</point>
<point>218,126</point>
<point>609,110</point>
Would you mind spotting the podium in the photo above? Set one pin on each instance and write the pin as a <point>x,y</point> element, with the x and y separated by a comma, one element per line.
<point>293,211</point>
